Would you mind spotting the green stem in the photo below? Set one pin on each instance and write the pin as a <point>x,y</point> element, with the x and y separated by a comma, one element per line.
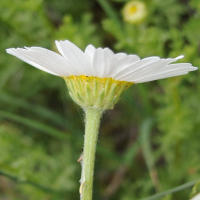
<point>92,123</point>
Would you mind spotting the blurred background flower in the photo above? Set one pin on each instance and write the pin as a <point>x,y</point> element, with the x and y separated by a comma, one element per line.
<point>134,12</point>
<point>148,143</point>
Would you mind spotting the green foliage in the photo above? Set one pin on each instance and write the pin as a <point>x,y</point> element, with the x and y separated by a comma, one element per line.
<point>37,164</point>
<point>76,32</point>
<point>149,142</point>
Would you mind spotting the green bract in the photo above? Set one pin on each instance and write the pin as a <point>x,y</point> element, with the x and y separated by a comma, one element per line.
<point>93,92</point>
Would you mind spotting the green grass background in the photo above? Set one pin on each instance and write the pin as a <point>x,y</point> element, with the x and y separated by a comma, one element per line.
<point>150,141</point>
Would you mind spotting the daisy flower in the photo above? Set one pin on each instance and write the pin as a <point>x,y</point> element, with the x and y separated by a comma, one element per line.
<point>99,70</point>
<point>134,12</point>
<point>96,79</point>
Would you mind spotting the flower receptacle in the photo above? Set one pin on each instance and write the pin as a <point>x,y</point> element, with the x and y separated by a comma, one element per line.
<point>94,92</point>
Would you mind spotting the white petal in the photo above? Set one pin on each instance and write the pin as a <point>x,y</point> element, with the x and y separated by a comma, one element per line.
<point>179,57</point>
<point>135,68</point>
<point>196,197</point>
<point>14,53</point>
<point>149,69</point>
<point>98,63</point>
<point>103,63</point>
<point>65,64</point>
<point>128,60</point>
<point>125,63</point>
<point>160,65</point>
<point>120,56</point>
<point>75,56</point>
<point>49,61</point>
<point>90,50</point>
<point>112,69</point>
<point>169,71</point>
<point>160,77</point>
<point>175,67</point>
<point>109,63</point>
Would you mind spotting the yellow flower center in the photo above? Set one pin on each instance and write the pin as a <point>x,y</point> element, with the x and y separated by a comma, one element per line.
<point>132,10</point>
<point>94,92</point>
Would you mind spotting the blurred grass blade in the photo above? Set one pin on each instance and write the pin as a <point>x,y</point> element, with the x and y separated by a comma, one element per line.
<point>145,131</point>
<point>6,74</point>
<point>147,110</point>
<point>173,190</point>
<point>36,125</point>
<point>109,10</point>
<point>42,111</point>
<point>145,134</point>
<point>108,153</point>
<point>130,153</point>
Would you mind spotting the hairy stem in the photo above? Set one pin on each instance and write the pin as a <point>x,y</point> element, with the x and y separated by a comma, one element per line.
<point>92,123</point>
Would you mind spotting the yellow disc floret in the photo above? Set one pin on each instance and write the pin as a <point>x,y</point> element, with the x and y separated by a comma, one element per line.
<point>94,92</point>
